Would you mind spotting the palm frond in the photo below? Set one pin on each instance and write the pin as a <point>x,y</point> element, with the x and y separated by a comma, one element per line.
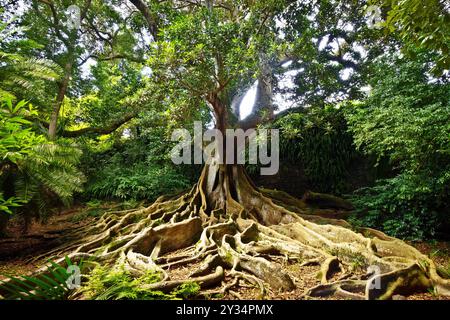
<point>18,71</point>
<point>52,286</point>
<point>53,166</point>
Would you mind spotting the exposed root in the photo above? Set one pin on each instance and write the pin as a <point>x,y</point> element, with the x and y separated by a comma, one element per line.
<point>204,282</point>
<point>235,233</point>
<point>330,266</point>
<point>403,281</point>
<point>345,289</point>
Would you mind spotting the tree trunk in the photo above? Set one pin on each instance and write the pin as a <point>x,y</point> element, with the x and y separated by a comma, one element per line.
<point>8,172</point>
<point>263,109</point>
<point>62,89</point>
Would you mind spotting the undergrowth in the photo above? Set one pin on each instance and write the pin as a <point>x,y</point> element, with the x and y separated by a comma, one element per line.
<point>118,284</point>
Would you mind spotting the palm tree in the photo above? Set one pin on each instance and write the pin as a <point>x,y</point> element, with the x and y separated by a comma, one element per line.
<point>34,172</point>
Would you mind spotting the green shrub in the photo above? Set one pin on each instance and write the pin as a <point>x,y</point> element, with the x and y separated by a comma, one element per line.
<point>37,173</point>
<point>136,182</point>
<point>137,167</point>
<point>406,120</point>
<point>118,284</point>
<point>400,207</point>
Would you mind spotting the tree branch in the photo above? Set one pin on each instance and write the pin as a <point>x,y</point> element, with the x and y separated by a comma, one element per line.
<point>90,130</point>
<point>117,56</point>
<point>151,20</point>
<point>56,24</point>
<point>253,120</point>
<point>99,130</point>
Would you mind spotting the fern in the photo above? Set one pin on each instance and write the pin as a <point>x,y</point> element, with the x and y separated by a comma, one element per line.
<point>45,287</point>
<point>118,284</point>
<point>137,182</point>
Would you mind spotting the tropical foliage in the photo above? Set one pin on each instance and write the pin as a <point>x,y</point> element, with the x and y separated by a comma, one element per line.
<point>317,139</point>
<point>55,286</point>
<point>406,119</point>
<point>34,171</point>
<point>424,23</point>
<point>118,284</point>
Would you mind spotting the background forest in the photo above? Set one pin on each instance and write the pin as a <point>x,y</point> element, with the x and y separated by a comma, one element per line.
<point>86,114</point>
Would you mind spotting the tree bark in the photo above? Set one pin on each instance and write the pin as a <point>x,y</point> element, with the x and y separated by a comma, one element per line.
<point>8,187</point>
<point>263,109</point>
<point>63,85</point>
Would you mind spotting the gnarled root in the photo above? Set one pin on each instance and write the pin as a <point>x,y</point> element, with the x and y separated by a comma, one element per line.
<point>229,234</point>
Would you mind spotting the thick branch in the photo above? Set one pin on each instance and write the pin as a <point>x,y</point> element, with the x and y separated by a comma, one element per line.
<point>98,130</point>
<point>110,58</point>
<point>252,121</point>
<point>149,17</point>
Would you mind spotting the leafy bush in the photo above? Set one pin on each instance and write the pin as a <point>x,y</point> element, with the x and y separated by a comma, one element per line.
<point>406,120</point>
<point>400,206</point>
<point>137,167</point>
<point>118,284</point>
<point>137,182</point>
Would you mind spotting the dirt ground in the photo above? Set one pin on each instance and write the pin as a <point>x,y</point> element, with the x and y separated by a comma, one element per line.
<point>17,250</point>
